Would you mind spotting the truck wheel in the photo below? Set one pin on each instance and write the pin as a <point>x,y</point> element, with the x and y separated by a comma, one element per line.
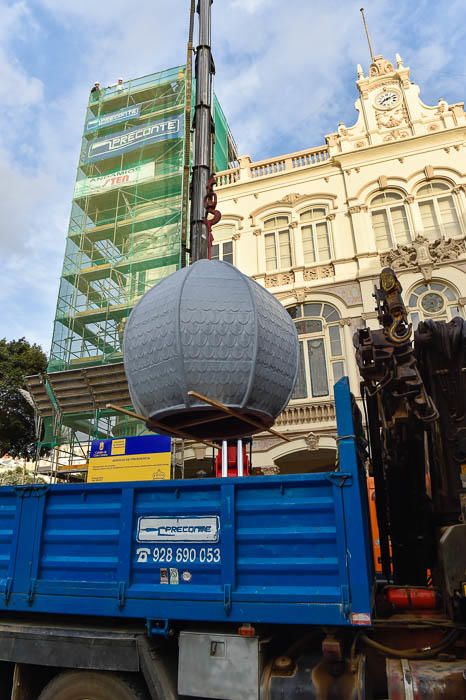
<point>90,685</point>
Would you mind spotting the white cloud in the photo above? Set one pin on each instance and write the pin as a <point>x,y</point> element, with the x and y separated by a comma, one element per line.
<point>16,87</point>
<point>251,6</point>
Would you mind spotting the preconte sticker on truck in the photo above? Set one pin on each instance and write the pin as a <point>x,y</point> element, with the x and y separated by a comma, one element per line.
<point>182,529</point>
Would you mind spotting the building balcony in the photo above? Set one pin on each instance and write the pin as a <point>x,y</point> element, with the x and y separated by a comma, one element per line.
<point>306,416</point>
<point>248,170</point>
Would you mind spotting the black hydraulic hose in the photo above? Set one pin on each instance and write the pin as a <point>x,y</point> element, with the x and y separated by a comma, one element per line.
<point>418,623</point>
<point>427,653</point>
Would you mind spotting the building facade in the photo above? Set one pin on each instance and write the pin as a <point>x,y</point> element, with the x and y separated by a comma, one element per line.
<point>316,227</point>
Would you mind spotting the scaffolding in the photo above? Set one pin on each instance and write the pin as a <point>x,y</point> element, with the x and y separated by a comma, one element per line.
<point>127,230</point>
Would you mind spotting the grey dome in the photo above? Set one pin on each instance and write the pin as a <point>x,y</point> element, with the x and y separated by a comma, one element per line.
<point>210,329</point>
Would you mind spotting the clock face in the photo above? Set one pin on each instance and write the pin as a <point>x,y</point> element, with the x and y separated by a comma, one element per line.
<point>432,303</point>
<point>387,99</point>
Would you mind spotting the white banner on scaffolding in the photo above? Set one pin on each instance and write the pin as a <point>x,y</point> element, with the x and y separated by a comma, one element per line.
<point>139,136</point>
<point>102,183</point>
<point>113,118</point>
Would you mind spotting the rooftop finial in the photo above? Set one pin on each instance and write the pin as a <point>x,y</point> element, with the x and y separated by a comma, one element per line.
<point>371,51</point>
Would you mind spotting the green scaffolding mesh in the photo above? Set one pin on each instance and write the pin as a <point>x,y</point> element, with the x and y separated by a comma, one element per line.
<point>127,214</point>
<point>130,212</point>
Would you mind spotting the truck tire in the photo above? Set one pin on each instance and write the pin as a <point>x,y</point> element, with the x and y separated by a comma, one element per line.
<point>92,685</point>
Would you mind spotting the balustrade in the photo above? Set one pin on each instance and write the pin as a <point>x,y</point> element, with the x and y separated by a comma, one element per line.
<point>301,414</point>
<point>267,168</point>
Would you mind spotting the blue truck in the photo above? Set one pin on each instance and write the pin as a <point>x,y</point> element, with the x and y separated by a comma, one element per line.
<point>183,587</point>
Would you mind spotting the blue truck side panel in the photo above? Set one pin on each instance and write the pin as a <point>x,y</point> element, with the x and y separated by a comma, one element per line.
<point>285,549</point>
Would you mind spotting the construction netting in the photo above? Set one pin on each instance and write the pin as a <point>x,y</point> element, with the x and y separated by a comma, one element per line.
<point>128,221</point>
<point>127,213</point>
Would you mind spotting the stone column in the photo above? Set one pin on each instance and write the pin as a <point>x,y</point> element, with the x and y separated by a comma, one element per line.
<point>244,167</point>
<point>334,253</point>
<point>459,190</point>
<point>235,238</point>
<point>363,235</point>
<point>297,243</point>
<point>260,252</point>
<point>414,214</point>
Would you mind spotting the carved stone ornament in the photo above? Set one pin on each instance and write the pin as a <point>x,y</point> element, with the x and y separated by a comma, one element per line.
<point>291,198</point>
<point>396,134</point>
<point>332,140</point>
<point>320,272</point>
<point>280,279</point>
<point>300,295</point>
<point>442,106</point>
<point>423,254</point>
<point>391,120</point>
<point>342,130</point>
<point>446,250</point>
<point>312,442</point>
<point>380,66</point>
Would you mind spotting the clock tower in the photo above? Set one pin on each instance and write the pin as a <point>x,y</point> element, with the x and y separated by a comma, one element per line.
<point>390,109</point>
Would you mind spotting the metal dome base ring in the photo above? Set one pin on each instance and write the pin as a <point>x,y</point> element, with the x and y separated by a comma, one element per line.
<point>208,422</point>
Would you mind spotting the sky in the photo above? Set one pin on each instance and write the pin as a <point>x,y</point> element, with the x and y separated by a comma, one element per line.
<point>285,78</point>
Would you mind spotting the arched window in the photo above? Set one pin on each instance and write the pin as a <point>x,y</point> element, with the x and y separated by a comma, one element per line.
<point>438,210</point>
<point>277,243</point>
<point>433,300</point>
<point>222,247</point>
<point>315,235</point>
<point>389,220</point>
<point>321,352</point>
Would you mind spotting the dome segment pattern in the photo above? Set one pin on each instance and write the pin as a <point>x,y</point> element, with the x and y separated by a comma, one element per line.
<point>208,328</point>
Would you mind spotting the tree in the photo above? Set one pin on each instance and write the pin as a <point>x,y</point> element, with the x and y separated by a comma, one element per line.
<point>18,359</point>
<point>13,477</point>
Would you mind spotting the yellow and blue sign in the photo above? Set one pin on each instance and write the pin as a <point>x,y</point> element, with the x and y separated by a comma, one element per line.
<point>142,458</point>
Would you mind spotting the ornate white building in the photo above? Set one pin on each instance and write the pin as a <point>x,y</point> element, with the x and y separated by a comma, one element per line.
<point>315,227</point>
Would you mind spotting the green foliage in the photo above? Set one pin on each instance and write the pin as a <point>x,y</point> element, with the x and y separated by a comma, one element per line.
<point>18,359</point>
<point>17,476</point>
